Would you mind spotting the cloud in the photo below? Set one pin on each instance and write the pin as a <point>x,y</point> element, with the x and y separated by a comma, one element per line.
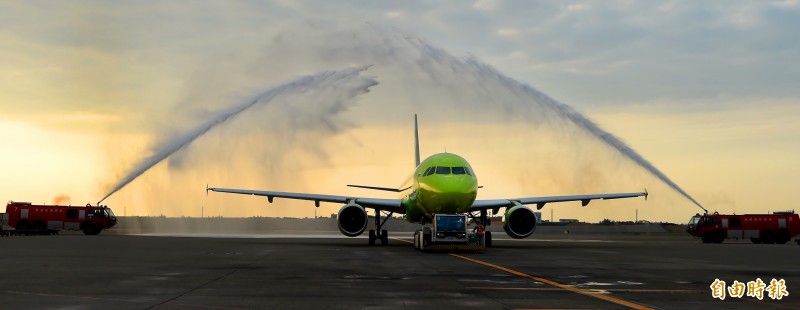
<point>395,14</point>
<point>508,32</point>
<point>486,5</point>
<point>577,7</point>
<point>786,3</point>
<point>736,48</point>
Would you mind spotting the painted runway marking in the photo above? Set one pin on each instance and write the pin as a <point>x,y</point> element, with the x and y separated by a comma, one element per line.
<point>402,240</point>
<point>556,284</point>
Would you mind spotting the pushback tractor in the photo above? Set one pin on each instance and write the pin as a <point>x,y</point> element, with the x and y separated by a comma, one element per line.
<point>450,232</point>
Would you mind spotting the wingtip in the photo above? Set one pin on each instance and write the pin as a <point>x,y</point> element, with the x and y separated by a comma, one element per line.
<point>646,194</point>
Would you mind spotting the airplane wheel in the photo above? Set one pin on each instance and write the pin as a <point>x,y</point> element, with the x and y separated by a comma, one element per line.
<point>487,239</point>
<point>371,237</point>
<point>384,237</point>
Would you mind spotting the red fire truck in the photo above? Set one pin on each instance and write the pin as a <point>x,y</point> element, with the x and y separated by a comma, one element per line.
<point>778,227</point>
<point>27,217</point>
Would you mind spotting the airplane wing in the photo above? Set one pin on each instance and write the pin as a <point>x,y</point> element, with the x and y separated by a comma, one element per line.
<point>392,205</point>
<point>541,201</point>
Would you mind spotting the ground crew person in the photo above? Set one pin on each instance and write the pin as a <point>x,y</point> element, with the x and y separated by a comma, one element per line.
<point>479,233</point>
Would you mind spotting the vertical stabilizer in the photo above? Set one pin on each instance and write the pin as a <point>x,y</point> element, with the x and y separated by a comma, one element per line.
<point>416,141</point>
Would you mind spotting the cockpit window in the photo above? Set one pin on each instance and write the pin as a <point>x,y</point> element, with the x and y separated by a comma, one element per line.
<point>429,171</point>
<point>459,170</point>
<point>469,172</point>
<point>442,170</point>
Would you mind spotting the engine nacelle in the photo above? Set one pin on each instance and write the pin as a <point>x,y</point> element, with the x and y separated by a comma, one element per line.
<point>352,220</point>
<point>520,222</point>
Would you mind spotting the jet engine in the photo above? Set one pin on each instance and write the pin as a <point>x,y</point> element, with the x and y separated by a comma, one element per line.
<point>520,222</point>
<point>352,220</point>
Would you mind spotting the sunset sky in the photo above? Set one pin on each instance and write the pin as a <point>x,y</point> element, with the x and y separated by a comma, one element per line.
<point>708,92</point>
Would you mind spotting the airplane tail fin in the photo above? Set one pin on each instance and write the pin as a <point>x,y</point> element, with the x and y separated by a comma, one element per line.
<point>416,141</point>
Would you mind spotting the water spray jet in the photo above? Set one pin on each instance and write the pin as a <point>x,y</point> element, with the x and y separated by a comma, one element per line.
<point>175,143</point>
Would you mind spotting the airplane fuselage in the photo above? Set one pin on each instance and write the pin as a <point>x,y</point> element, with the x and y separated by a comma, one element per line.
<point>443,183</point>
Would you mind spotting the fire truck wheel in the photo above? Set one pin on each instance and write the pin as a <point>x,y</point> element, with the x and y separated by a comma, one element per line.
<point>755,240</point>
<point>706,238</point>
<point>783,237</point>
<point>90,229</point>
<point>767,237</point>
<point>719,236</point>
<point>22,225</point>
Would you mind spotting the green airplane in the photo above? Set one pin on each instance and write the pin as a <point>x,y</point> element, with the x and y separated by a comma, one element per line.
<point>441,184</point>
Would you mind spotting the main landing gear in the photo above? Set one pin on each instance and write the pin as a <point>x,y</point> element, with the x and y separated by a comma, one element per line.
<point>378,233</point>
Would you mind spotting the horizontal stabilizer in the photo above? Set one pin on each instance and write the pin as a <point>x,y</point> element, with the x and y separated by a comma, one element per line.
<point>396,190</point>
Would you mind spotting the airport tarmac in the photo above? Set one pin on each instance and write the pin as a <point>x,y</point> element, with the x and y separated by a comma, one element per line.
<point>306,271</point>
